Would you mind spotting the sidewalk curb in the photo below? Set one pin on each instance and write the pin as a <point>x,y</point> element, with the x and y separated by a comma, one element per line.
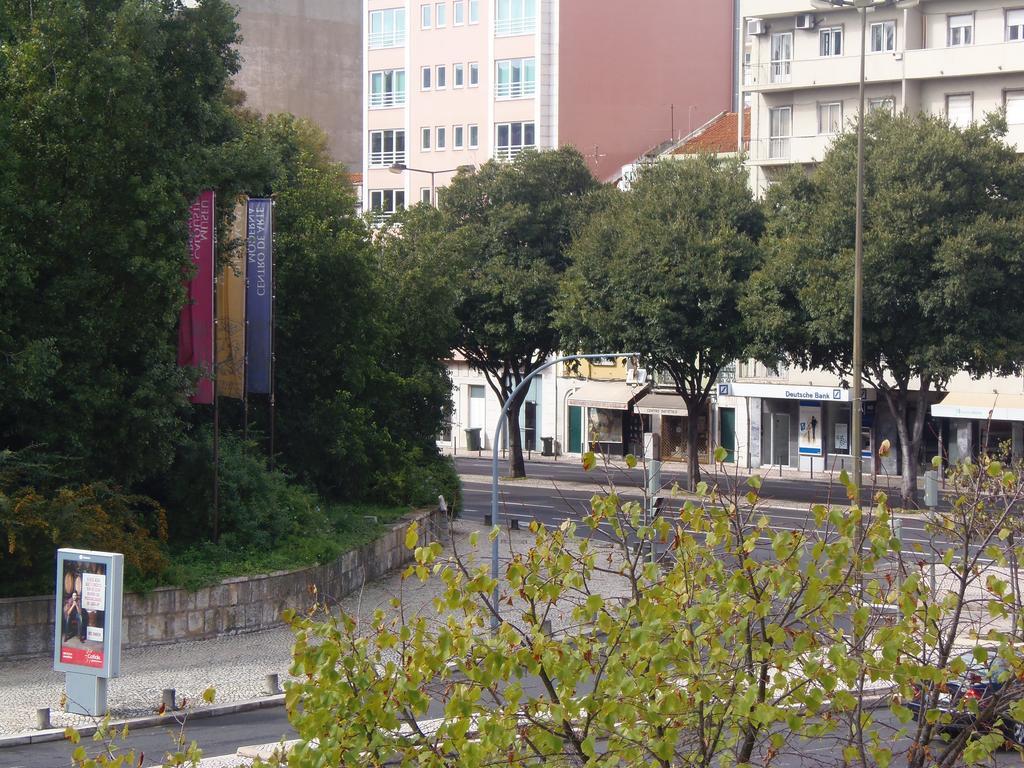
<point>149,721</point>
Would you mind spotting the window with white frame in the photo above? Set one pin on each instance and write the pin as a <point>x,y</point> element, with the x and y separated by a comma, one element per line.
<point>425,16</point>
<point>474,11</point>
<point>459,12</point>
<point>387,28</point>
<point>425,139</point>
<point>474,74</point>
<point>960,29</point>
<point>442,138</point>
<point>960,109</point>
<point>830,41</point>
<point>884,103</point>
<point>441,80</point>
<point>440,14</point>
<point>458,75</point>
<point>512,138</point>
<point>515,78</point>
<point>780,131</point>
<point>514,17</point>
<point>425,195</point>
<point>458,137</point>
<point>1015,24</point>
<point>474,136</point>
<point>882,37</point>
<point>385,202</point>
<point>426,75</point>
<point>1014,102</point>
<point>387,88</point>
<point>387,147</point>
<point>782,57</point>
<point>830,117</point>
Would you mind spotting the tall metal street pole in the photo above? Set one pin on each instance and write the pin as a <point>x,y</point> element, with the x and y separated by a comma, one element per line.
<point>502,420</point>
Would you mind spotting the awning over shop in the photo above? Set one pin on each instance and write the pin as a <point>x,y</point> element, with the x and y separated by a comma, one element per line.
<point>978,405</point>
<point>615,395</point>
<point>661,405</point>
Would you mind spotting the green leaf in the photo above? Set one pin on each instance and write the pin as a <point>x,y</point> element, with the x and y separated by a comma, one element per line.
<point>209,694</point>
<point>630,461</point>
<point>589,461</point>
<point>412,535</point>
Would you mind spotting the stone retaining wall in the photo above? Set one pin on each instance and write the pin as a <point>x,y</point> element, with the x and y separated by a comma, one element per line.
<point>246,604</point>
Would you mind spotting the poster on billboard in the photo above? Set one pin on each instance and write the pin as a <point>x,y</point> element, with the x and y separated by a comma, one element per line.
<point>810,430</point>
<point>87,629</point>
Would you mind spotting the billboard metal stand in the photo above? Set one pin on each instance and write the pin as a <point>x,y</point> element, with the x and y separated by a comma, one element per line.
<point>216,413</point>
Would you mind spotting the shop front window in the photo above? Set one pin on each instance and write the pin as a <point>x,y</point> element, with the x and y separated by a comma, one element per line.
<point>605,425</point>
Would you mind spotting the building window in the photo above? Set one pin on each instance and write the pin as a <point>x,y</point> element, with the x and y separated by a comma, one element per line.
<point>514,17</point>
<point>960,109</point>
<point>387,28</point>
<point>459,12</point>
<point>387,88</point>
<point>425,16</point>
<point>830,117</point>
<point>458,136</point>
<point>830,42</point>
<point>385,202</point>
<point>442,77</point>
<point>886,103</point>
<point>425,139</point>
<point>441,14</point>
<point>780,130</point>
<point>515,78</point>
<point>882,37</point>
<point>782,56</point>
<point>474,11</point>
<point>386,148</point>
<point>425,76</point>
<point>442,138</point>
<point>960,30</point>
<point>425,195</point>
<point>512,138</point>
<point>1015,24</point>
<point>474,74</point>
<point>458,75</point>
<point>1014,107</point>
<point>474,136</point>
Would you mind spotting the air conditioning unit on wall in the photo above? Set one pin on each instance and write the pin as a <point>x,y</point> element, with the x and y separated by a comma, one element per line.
<point>805,21</point>
<point>756,27</point>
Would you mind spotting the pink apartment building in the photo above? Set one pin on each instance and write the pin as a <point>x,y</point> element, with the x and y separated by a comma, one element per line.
<point>458,82</point>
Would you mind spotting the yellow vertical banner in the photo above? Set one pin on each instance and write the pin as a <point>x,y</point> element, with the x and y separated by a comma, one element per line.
<point>231,312</point>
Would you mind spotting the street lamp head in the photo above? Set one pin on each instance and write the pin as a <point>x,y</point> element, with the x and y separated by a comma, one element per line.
<point>398,168</point>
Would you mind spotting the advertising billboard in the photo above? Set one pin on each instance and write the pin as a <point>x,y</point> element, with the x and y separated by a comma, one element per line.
<point>87,627</point>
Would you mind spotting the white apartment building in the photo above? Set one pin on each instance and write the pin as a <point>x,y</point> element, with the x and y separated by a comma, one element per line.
<point>958,58</point>
<point>458,82</point>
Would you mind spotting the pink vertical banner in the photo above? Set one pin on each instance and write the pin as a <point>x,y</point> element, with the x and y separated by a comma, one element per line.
<point>195,331</point>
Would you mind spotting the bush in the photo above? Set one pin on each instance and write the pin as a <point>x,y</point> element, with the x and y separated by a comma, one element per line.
<point>93,516</point>
<point>419,480</point>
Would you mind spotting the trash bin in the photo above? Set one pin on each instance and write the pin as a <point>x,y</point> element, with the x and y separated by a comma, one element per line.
<point>931,489</point>
<point>473,439</point>
<point>549,446</point>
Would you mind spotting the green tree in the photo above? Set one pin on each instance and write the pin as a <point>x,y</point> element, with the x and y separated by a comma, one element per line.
<point>508,226</point>
<point>660,270</point>
<point>942,252</point>
<point>109,114</point>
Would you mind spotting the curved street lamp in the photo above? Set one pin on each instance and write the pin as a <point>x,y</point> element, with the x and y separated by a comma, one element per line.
<point>402,168</point>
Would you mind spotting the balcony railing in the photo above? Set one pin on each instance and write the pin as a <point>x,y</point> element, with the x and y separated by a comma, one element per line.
<point>393,39</point>
<point>387,158</point>
<point>387,99</point>
<point>509,153</point>
<point>778,149</point>
<point>524,25</point>
<point>515,90</point>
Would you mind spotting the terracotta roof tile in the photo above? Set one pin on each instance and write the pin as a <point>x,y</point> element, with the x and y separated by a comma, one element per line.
<point>718,136</point>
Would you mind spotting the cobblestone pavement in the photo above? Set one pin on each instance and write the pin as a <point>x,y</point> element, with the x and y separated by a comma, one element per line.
<point>235,665</point>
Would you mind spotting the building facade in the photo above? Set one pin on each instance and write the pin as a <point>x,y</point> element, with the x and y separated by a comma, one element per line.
<point>305,57</point>
<point>458,82</point>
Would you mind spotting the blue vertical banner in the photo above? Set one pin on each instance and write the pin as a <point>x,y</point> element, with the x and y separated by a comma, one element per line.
<point>259,309</point>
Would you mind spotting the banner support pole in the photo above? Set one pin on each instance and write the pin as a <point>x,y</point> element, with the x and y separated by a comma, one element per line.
<point>216,399</point>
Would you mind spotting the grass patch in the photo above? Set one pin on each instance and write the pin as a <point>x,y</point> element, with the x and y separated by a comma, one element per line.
<point>347,527</point>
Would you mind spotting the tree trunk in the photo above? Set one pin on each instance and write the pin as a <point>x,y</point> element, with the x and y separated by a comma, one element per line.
<point>516,465</point>
<point>909,438</point>
<point>692,462</point>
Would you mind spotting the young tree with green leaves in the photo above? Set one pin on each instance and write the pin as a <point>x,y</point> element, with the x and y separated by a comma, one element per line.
<point>660,270</point>
<point>943,252</point>
<point>508,226</point>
